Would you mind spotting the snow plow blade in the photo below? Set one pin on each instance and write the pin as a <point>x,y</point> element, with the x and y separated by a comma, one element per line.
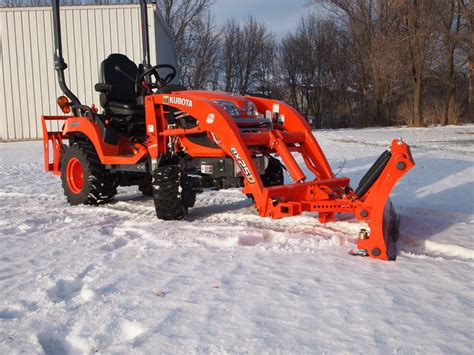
<point>380,241</point>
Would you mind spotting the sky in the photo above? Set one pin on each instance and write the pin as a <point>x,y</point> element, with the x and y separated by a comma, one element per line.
<point>281,16</point>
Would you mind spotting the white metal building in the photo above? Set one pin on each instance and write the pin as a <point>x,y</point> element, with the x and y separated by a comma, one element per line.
<point>28,86</point>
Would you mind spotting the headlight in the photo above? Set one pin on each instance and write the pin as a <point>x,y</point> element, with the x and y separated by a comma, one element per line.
<point>229,107</point>
<point>251,109</point>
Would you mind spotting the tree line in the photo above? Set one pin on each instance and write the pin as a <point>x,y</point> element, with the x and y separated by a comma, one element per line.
<point>357,63</point>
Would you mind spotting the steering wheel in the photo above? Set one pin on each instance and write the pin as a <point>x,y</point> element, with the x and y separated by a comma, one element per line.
<point>145,79</point>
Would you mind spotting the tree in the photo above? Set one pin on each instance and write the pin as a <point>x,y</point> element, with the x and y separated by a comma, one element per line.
<point>195,39</point>
<point>307,59</point>
<point>419,39</point>
<point>180,16</point>
<point>371,30</point>
<point>448,25</point>
<point>243,55</point>
<point>200,54</point>
<point>467,10</point>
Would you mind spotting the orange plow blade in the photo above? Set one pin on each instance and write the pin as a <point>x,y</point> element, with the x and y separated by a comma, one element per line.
<point>376,207</point>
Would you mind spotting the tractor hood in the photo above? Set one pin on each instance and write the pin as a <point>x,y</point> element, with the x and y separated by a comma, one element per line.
<point>241,108</point>
<point>238,100</point>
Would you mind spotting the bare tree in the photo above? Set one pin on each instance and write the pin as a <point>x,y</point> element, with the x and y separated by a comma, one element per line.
<point>419,39</point>
<point>371,30</point>
<point>311,68</point>
<point>358,18</point>
<point>200,53</point>
<point>195,39</point>
<point>289,55</point>
<point>180,15</point>
<point>447,16</point>
<point>467,10</point>
<point>231,44</point>
<point>267,76</point>
<point>389,40</point>
<point>244,55</point>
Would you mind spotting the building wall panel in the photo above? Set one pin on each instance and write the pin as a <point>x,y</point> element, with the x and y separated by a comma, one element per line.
<point>90,33</point>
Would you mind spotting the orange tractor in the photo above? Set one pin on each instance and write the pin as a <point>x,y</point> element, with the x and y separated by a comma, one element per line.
<point>174,143</point>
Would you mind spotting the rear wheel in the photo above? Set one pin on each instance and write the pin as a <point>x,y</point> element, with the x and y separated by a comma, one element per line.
<point>170,193</point>
<point>273,173</point>
<point>84,178</point>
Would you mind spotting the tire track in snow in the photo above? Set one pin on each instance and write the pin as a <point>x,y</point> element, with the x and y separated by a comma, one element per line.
<point>226,220</point>
<point>223,219</point>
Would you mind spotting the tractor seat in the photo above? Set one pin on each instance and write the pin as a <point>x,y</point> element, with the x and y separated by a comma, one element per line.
<point>118,92</point>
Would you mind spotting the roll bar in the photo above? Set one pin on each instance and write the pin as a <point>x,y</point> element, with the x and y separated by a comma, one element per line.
<point>59,63</point>
<point>145,34</point>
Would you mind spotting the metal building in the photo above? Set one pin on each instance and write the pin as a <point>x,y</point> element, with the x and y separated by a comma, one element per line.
<point>28,85</point>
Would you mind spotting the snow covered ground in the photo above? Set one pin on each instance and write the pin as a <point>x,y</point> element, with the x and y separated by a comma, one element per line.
<point>114,279</point>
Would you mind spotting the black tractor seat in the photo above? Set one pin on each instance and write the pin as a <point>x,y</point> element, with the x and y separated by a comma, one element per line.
<point>118,89</point>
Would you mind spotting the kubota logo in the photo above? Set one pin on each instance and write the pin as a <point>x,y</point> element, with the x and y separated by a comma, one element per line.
<point>177,101</point>
<point>243,166</point>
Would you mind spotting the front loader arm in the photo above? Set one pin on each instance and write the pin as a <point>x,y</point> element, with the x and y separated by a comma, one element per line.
<point>291,134</point>
<point>292,121</point>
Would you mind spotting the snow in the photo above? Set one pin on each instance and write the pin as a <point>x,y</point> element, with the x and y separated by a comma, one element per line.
<point>114,279</point>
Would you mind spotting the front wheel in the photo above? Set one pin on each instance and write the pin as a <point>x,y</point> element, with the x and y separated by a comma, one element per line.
<point>84,178</point>
<point>169,193</point>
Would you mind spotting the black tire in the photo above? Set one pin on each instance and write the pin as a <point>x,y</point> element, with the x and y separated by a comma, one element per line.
<point>273,173</point>
<point>94,184</point>
<point>169,185</point>
<point>146,187</point>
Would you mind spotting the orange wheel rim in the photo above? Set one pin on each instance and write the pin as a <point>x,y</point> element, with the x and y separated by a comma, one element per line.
<point>75,175</point>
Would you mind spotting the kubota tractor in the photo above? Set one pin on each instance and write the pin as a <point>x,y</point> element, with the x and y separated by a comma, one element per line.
<point>174,143</point>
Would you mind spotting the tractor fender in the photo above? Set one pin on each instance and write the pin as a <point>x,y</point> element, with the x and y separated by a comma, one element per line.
<point>91,130</point>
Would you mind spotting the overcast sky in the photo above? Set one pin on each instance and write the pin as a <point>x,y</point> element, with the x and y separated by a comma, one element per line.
<point>280,16</point>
